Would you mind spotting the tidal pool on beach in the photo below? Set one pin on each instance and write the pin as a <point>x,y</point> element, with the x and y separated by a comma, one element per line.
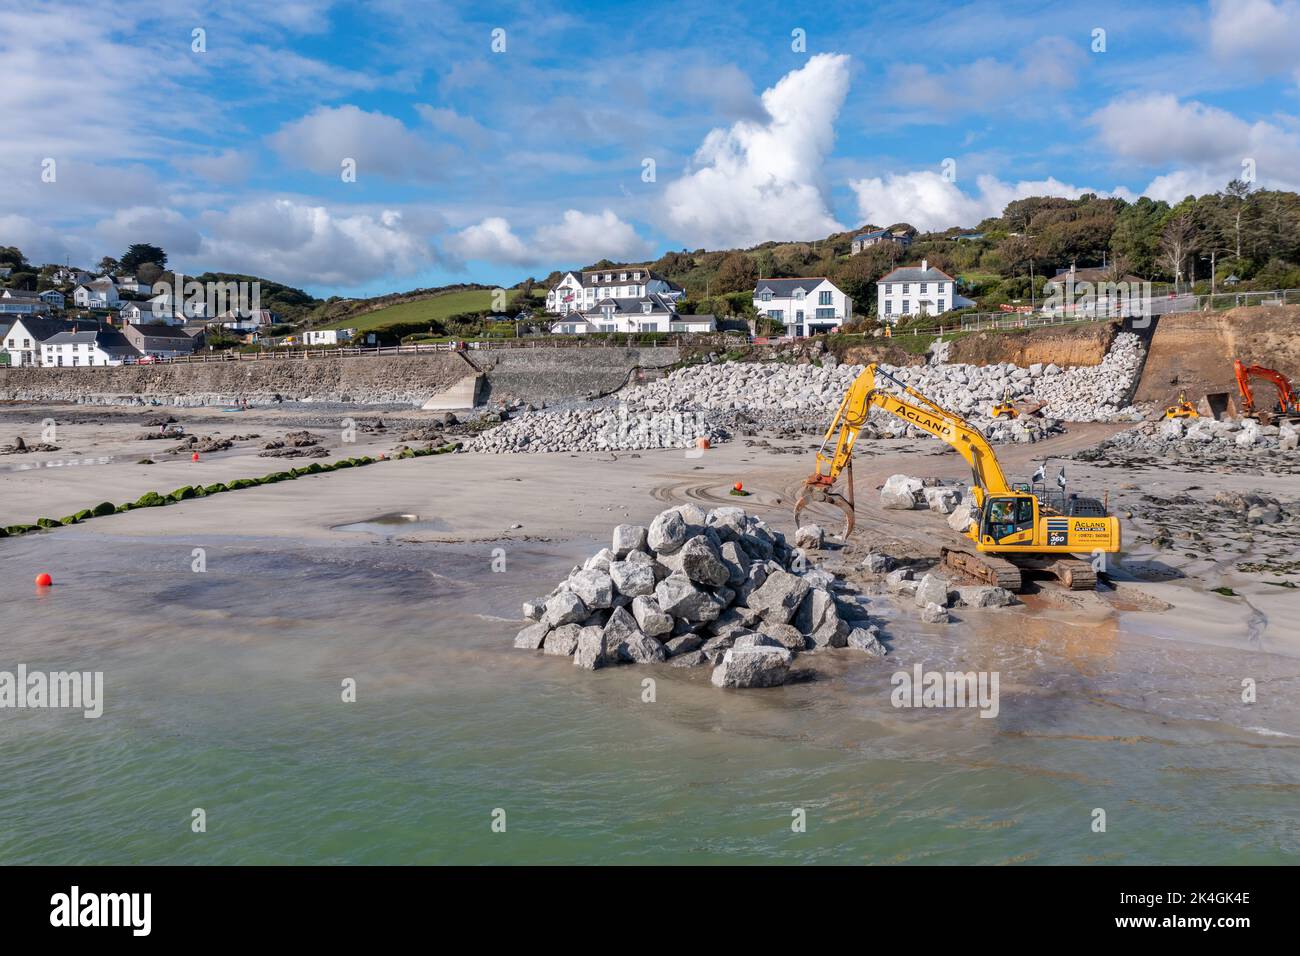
<point>223,691</point>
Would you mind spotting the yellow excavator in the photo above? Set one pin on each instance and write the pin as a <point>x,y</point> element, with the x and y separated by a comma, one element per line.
<point>1013,528</point>
<point>1182,409</point>
<point>1004,408</point>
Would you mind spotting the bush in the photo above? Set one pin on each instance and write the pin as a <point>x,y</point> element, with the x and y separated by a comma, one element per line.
<point>103,508</point>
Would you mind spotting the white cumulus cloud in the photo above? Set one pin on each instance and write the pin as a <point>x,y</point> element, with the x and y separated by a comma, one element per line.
<point>927,200</point>
<point>376,142</point>
<point>762,180</point>
<point>1202,145</point>
<point>303,244</point>
<point>578,237</point>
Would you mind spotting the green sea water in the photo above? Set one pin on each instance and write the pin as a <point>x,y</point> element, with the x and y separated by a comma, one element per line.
<point>223,691</point>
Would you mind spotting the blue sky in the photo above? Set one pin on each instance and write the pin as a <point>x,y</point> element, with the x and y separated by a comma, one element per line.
<point>476,163</point>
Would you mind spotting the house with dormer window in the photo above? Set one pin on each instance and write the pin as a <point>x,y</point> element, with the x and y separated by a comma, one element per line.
<point>805,306</point>
<point>580,291</point>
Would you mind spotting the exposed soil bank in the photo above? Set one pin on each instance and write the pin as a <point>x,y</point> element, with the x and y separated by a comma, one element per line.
<point>1084,344</point>
<point>1193,353</point>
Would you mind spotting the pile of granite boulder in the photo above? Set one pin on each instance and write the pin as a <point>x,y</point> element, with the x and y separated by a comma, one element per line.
<point>695,588</point>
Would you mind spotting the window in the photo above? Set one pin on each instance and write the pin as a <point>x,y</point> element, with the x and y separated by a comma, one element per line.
<point>622,277</point>
<point>823,298</point>
<point>906,307</point>
<point>798,294</point>
<point>776,314</point>
<point>636,276</point>
<point>888,288</point>
<point>825,313</point>
<point>923,287</point>
<point>798,316</point>
<point>939,287</point>
<point>889,307</point>
<point>906,288</point>
<point>766,296</point>
<point>939,305</point>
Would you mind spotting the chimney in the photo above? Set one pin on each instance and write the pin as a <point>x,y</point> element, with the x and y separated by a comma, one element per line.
<point>925,265</point>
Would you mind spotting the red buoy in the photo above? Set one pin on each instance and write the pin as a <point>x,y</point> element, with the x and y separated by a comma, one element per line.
<point>194,457</point>
<point>738,486</point>
<point>43,580</point>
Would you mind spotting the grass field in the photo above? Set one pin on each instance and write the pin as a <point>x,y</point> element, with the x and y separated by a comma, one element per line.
<point>424,310</point>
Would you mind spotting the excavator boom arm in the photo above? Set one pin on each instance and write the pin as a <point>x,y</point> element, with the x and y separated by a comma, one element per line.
<point>924,414</point>
<point>1285,394</point>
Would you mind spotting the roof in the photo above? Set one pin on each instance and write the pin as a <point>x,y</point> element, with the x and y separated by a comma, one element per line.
<point>872,235</point>
<point>157,330</point>
<point>658,305</point>
<point>42,328</point>
<point>1093,274</point>
<point>784,287</point>
<point>916,274</point>
<point>596,277</point>
<point>19,294</point>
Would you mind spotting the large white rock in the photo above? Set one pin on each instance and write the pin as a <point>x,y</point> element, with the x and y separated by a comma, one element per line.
<point>960,518</point>
<point>650,618</point>
<point>899,493</point>
<point>667,532</point>
<point>761,666</point>
<point>932,590</point>
<point>595,588</point>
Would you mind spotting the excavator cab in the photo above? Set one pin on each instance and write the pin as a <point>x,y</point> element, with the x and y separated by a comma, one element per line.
<point>1008,520</point>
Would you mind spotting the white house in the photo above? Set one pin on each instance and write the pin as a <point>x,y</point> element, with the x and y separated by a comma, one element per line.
<point>806,306</point>
<point>65,276</point>
<point>580,291</point>
<point>163,308</point>
<point>327,336</point>
<point>649,313</point>
<point>22,342</point>
<point>89,347</point>
<point>136,313</point>
<point>132,284</point>
<point>917,290</point>
<point>96,294</point>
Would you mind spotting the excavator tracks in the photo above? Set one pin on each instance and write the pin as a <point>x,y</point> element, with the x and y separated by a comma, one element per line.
<point>985,567</point>
<point>1070,572</point>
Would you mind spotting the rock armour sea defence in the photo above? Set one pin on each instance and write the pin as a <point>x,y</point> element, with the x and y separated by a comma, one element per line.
<point>698,588</point>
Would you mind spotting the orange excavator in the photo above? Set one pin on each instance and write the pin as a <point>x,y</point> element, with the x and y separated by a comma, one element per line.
<point>1287,406</point>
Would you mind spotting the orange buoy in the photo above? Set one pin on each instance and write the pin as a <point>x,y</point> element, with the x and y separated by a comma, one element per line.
<point>194,457</point>
<point>702,443</point>
<point>43,580</point>
<point>739,486</point>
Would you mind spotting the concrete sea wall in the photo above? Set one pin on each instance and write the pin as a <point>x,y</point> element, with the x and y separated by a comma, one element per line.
<point>532,375</point>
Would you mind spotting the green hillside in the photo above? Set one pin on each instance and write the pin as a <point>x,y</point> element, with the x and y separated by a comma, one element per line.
<point>433,309</point>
